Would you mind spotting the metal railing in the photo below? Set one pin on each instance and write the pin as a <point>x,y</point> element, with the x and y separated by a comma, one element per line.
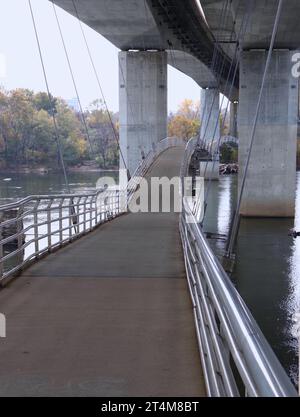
<point>37,225</point>
<point>236,358</point>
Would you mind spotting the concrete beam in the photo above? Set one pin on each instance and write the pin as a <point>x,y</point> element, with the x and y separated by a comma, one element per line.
<point>271,179</point>
<point>143,104</point>
<point>142,25</point>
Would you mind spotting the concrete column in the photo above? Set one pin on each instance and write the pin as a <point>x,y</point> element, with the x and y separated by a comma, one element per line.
<point>143,103</point>
<point>233,119</point>
<point>210,129</point>
<point>271,180</point>
<point>209,113</point>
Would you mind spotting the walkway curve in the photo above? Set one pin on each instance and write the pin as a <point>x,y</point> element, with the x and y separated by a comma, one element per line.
<point>108,315</point>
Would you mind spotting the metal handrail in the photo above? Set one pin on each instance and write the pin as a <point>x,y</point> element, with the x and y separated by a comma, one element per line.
<point>236,358</point>
<point>42,223</point>
<point>230,340</point>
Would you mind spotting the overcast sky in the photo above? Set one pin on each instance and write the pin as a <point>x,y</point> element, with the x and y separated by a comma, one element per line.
<point>19,54</point>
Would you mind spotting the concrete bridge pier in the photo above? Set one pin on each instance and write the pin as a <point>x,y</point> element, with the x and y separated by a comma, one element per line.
<point>233,119</point>
<point>271,180</point>
<point>143,103</point>
<point>210,128</point>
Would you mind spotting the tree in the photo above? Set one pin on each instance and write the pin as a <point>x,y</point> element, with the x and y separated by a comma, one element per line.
<point>74,145</point>
<point>185,123</point>
<point>102,134</point>
<point>228,153</point>
<point>27,134</point>
<point>41,101</point>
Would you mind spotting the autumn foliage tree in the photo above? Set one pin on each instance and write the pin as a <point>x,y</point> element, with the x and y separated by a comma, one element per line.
<point>185,123</point>
<point>28,137</point>
<point>104,134</point>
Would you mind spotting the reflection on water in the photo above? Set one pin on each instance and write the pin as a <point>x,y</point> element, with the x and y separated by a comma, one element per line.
<point>16,186</point>
<point>267,272</point>
<point>292,302</point>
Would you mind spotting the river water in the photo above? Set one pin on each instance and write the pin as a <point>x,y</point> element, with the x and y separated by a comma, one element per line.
<point>16,186</point>
<point>267,272</point>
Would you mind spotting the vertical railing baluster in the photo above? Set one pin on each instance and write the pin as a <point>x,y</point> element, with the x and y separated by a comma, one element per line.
<point>1,254</point>
<point>78,215</point>
<point>91,213</point>
<point>70,218</point>
<point>96,210</point>
<point>20,235</point>
<point>84,215</point>
<point>60,220</point>
<point>49,228</point>
<point>36,228</point>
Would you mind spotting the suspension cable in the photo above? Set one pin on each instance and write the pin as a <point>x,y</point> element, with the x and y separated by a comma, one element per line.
<point>236,58</point>
<point>236,220</point>
<point>213,69</point>
<point>233,60</point>
<point>100,87</point>
<point>73,79</point>
<point>57,136</point>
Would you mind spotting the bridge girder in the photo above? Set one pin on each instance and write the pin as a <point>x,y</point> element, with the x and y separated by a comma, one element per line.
<point>157,25</point>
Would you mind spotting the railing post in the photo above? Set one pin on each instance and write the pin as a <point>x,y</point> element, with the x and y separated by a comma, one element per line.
<point>60,221</point>
<point>96,210</point>
<point>78,205</point>
<point>49,228</point>
<point>1,254</point>
<point>84,215</point>
<point>70,219</point>
<point>91,213</point>
<point>36,228</point>
<point>21,236</point>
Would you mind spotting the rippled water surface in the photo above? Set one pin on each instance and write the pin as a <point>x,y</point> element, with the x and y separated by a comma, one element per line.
<point>267,272</point>
<point>16,186</point>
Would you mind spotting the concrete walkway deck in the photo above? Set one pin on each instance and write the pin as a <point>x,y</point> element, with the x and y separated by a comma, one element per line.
<point>109,315</point>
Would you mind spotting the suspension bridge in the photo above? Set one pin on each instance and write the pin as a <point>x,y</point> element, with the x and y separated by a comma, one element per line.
<point>102,302</point>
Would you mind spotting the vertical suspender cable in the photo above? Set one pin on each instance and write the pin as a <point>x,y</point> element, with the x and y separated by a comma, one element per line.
<point>73,79</point>
<point>236,220</point>
<point>50,99</point>
<point>58,142</point>
<point>100,87</point>
<point>213,68</point>
<point>241,34</point>
<point>231,72</point>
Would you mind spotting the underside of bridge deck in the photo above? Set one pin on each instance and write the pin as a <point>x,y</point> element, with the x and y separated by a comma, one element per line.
<point>109,315</point>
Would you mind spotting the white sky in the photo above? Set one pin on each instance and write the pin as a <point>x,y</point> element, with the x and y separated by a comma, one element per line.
<point>20,65</point>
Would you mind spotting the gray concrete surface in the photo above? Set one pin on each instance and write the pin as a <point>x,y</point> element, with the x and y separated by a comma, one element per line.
<point>233,116</point>
<point>143,88</point>
<point>109,315</point>
<point>131,25</point>
<point>209,114</point>
<point>210,128</point>
<point>271,180</point>
<point>261,22</point>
